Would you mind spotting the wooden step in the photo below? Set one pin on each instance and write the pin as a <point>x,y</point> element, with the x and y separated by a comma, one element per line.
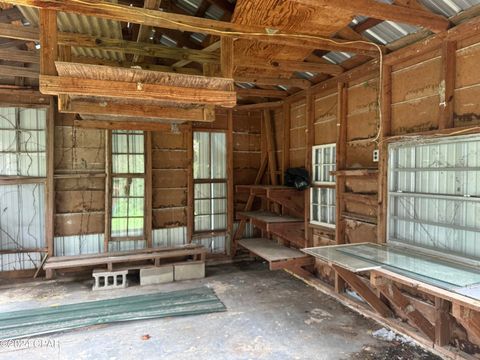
<point>278,256</point>
<point>288,197</point>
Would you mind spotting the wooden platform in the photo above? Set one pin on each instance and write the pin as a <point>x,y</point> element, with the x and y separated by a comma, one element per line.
<point>109,260</point>
<point>278,256</point>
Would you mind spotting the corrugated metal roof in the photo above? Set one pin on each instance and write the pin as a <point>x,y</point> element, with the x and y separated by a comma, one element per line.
<point>82,24</point>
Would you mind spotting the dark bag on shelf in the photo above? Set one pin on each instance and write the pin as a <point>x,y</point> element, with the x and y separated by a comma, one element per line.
<point>297,178</point>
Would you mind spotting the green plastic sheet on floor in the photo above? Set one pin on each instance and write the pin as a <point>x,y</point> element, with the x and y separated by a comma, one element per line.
<point>47,320</point>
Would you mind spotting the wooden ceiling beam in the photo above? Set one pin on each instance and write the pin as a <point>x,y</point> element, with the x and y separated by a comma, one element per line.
<point>14,71</point>
<point>107,44</point>
<point>145,31</point>
<point>161,19</point>
<point>263,93</point>
<point>29,57</point>
<point>125,125</point>
<point>112,108</point>
<point>378,10</point>
<point>55,85</point>
<point>291,66</point>
<point>291,82</point>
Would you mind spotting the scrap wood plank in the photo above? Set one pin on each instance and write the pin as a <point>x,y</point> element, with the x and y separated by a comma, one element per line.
<point>364,291</point>
<point>395,296</point>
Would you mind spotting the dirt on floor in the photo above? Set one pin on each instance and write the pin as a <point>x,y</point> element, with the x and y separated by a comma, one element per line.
<point>394,351</point>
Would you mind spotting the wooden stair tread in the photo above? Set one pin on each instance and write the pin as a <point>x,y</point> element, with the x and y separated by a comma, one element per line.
<point>270,250</point>
<point>269,217</point>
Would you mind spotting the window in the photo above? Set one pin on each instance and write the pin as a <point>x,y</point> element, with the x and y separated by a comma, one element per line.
<point>128,185</point>
<point>22,142</point>
<point>210,181</point>
<point>23,163</point>
<point>434,195</point>
<point>322,195</point>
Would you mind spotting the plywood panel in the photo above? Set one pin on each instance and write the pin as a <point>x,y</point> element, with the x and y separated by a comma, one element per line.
<point>165,218</point>
<point>169,159</point>
<point>167,198</point>
<point>75,224</point>
<point>325,122</point>
<point>362,112</point>
<point>360,155</point>
<point>169,178</point>
<point>415,116</point>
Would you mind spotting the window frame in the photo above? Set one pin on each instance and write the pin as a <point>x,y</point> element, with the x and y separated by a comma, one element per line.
<point>318,185</point>
<point>210,181</point>
<point>128,176</point>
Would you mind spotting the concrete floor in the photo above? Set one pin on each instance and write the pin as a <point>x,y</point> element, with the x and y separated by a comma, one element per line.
<point>270,315</point>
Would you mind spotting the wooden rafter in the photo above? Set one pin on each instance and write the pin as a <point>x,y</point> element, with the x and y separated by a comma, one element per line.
<point>291,66</point>
<point>378,10</point>
<point>188,23</point>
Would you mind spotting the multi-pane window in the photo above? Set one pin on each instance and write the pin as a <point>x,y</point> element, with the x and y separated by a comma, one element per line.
<point>434,195</point>
<point>210,181</point>
<point>323,197</point>
<point>22,142</point>
<point>128,185</point>
<point>23,163</point>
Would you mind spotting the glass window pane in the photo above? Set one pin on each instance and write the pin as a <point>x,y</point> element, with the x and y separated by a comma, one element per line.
<point>119,207</point>
<point>119,227</point>
<point>219,190</point>
<point>120,164</point>
<point>219,156</point>
<point>136,164</point>
<point>138,187</point>
<point>203,207</point>
<point>135,226</point>
<point>201,155</point>
<point>202,191</point>
<point>219,222</point>
<point>136,144</point>
<point>136,207</point>
<point>203,223</point>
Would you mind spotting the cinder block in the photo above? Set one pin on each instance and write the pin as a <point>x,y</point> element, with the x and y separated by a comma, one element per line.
<point>104,280</point>
<point>190,270</point>
<point>156,275</point>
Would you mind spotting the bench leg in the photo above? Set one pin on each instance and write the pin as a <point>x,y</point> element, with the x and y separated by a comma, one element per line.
<point>49,274</point>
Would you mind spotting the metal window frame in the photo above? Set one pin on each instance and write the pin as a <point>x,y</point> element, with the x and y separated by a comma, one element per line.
<point>400,194</point>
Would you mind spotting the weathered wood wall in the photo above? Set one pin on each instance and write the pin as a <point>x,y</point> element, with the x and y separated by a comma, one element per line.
<point>80,171</point>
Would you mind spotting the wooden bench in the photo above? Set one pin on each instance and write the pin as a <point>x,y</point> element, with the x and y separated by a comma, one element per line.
<point>109,260</point>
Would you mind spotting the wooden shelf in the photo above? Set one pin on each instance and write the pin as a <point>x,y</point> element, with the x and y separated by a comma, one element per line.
<point>355,172</point>
<point>278,256</point>
<point>288,197</point>
<point>266,218</point>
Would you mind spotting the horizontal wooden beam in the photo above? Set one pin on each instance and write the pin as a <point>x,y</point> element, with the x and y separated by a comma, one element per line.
<point>179,22</point>
<point>259,106</point>
<point>291,66</point>
<point>298,83</point>
<point>30,57</point>
<point>378,10</point>
<point>14,71</point>
<point>108,44</point>
<point>266,93</point>
<point>55,85</point>
<point>124,125</point>
<point>23,98</point>
<point>112,108</point>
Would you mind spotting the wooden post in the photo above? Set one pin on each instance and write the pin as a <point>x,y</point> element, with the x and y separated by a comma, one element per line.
<point>442,322</point>
<point>384,131</point>
<point>108,189</point>
<point>341,162</point>
<point>449,58</point>
<point>190,184</point>
<point>230,184</point>
<point>148,189</point>
<point>226,55</point>
<point>272,162</point>
<point>48,55</point>
<point>310,115</point>
<point>286,138</point>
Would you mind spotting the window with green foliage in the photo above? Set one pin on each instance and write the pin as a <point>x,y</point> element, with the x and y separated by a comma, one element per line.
<point>210,181</point>
<point>128,185</point>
